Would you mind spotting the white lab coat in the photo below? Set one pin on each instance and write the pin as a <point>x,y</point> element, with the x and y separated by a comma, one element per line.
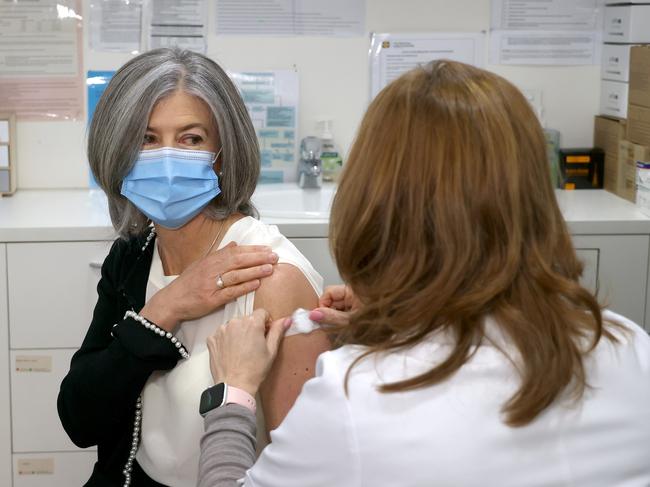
<point>452,434</point>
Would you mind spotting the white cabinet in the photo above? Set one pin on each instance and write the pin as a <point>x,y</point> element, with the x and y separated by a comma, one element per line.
<point>52,292</point>
<point>618,265</point>
<point>35,379</point>
<point>5,407</point>
<point>52,469</point>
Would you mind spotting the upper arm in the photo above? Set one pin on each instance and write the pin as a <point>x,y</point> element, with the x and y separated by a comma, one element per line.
<point>281,294</point>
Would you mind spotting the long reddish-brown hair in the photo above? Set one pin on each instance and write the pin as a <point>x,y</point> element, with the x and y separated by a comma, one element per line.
<point>446,215</point>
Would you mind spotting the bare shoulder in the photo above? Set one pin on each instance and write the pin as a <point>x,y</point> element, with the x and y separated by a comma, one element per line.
<point>284,291</point>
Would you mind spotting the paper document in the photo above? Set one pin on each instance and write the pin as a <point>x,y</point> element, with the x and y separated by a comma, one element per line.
<point>391,55</point>
<point>115,25</point>
<point>558,48</point>
<point>291,17</point>
<point>40,58</point>
<point>546,14</point>
<point>272,101</point>
<point>181,23</point>
<point>39,37</point>
<point>551,32</point>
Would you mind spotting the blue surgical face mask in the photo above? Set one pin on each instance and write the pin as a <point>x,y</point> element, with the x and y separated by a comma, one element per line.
<point>171,186</point>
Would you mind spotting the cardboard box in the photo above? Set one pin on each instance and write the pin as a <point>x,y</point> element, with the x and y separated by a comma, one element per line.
<point>613,98</point>
<point>630,155</point>
<point>627,24</point>
<point>639,92</point>
<point>638,125</point>
<point>608,132</point>
<point>615,64</point>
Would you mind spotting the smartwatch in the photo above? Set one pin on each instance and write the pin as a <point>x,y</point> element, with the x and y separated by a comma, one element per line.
<point>222,394</point>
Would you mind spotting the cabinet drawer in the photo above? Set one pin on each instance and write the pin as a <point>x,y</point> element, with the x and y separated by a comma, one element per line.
<point>35,379</point>
<point>53,469</point>
<point>52,292</point>
<point>318,253</point>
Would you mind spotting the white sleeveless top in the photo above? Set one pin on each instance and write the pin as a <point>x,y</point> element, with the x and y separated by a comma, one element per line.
<point>171,424</point>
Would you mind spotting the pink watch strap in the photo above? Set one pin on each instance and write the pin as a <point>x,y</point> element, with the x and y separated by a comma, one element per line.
<point>241,397</point>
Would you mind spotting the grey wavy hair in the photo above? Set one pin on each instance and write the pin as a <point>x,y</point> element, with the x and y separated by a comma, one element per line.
<point>121,118</point>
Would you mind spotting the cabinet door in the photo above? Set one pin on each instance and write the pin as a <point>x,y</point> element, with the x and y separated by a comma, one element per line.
<point>318,253</point>
<point>35,379</point>
<point>52,292</point>
<point>5,407</point>
<point>53,469</point>
<point>621,271</point>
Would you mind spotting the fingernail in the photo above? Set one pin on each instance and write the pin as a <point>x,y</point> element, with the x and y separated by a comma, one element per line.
<point>267,268</point>
<point>287,323</point>
<point>273,257</point>
<point>316,315</point>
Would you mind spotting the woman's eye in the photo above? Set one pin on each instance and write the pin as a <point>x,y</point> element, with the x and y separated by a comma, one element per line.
<point>192,139</point>
<point>148,139</point>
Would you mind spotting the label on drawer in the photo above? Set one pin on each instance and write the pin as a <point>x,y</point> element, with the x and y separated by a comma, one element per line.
<point>36,466</point>
<point>33,363</point>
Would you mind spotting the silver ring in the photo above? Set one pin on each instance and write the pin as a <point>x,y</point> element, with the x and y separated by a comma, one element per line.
<point>220,283</point>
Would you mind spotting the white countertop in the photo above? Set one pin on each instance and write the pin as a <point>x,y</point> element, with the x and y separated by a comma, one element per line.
<point>81,214</point>
<point>596,211</point>
<point>46,215</point>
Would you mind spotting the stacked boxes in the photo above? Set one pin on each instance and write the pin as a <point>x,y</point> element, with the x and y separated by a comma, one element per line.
<point>638,129</point>
<point>625,95</point>
<point>625,25</point>
<point>639,102</point>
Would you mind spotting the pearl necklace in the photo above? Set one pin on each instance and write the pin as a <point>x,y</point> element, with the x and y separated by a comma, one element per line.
<point>135,442</point>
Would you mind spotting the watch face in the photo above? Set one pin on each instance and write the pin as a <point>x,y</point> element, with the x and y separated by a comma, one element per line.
<point>211,398</point>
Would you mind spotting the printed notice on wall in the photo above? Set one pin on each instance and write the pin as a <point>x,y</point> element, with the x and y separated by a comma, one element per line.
<point>180,23</point>
<point>551,32</point>
<point>340,18</point>
<point>272,101</point>
<point>115,25</point>
<point>40,59</point>
<point>391,55</point>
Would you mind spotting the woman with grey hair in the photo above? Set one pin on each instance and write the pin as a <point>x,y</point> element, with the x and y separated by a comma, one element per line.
<point>172,146</point>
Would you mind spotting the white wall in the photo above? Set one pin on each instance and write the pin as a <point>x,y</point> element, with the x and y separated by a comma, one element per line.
<point>333,84</point>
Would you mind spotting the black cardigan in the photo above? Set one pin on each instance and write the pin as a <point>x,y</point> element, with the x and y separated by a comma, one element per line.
<point>97,398</point>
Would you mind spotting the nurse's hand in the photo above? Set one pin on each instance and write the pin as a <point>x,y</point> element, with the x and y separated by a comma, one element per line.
<point>335,306</point>
<point>243,350</point>
<point>197,291</point>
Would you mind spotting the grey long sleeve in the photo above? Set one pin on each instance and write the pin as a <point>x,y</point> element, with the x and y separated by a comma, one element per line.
<point>227,446</point>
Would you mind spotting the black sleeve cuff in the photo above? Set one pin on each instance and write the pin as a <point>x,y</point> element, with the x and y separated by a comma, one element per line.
<point>146,345</point>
